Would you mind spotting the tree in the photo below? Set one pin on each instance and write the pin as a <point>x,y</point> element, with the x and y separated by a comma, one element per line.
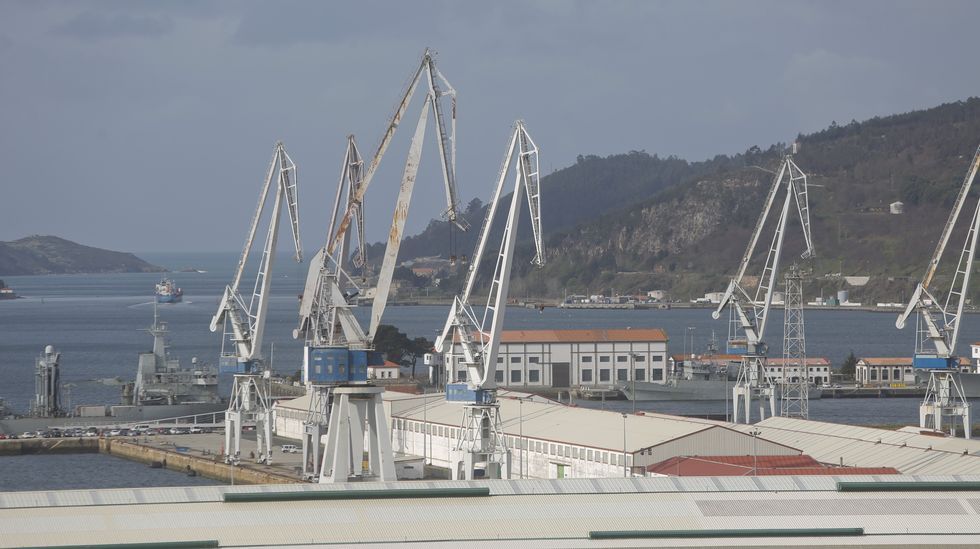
<point>419,347</point>
<point>849,367</point>
<point>392,342</point>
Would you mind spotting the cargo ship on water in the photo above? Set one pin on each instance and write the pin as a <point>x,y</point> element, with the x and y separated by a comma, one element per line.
<point>168,292</point>
<point>161,389</point>
<point>6,293</point>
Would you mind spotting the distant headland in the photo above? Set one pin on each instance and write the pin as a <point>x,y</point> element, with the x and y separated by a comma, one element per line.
<point>39,254</point>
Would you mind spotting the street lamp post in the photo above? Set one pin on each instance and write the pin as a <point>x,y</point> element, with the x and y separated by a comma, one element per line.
<point>625,468</point>
<point>755,454</point>
<point>520,442</point>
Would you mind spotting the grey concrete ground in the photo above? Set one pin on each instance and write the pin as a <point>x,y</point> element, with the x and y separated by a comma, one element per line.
<point>210,445</point>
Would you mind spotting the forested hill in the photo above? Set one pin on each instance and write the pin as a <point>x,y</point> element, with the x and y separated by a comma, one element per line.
<point>52,255</point>
<point>593,186</point>
<point>649,223</point>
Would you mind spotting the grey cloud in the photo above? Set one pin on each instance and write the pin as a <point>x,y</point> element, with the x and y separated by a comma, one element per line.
<point>95,25</point>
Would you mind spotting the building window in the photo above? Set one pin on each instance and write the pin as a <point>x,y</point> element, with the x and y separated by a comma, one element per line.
<point>586,359</point>
<point>621,358</point>
<point>568,452</point>
<point>515,376</point>
<point>575,452</point>
<point>587,375</point>
<point>500,360</point>
<point>639,358</point>
<point>897,374</point>
<point>537,446</point>
<point>552,452</point>
<point>589,454</point>
<point>461,375</point>
<point>605,457</point>
<point>603,359</point>
<point>532,359</point>
<point>639,374</point>
<point>657,358</point>
<point>604,374</point>
<point>658,374</point>
<point>622,374</point>
<point>884,374</point>
<point>874,374</point>
<point>498,376</point>
<point>533,376</point>
<point>515,360</point>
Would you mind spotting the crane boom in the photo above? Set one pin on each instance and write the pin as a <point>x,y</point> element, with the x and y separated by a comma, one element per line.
<point>792,178</point>
<point>428,68</point>
<point>479,354</point>
<point>247,321</point>
<point>943,332</point>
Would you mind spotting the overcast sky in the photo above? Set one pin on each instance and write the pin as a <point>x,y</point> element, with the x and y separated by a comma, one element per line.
<point>148,126</point>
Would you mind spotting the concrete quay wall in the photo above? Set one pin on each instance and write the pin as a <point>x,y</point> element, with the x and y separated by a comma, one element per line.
<point>19,447</point>
<point>179,461</point>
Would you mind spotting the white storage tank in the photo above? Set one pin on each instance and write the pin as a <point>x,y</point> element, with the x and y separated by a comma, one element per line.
<point>842,296</point>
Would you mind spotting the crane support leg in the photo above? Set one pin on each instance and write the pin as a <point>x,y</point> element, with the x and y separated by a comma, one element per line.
<point>357,413</point>
<point>945,399</point>
<point>249,404</point>
<point>752,383</point>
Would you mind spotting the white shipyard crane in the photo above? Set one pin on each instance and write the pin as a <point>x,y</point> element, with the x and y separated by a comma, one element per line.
<point>938,324</point>
<point>244,321</point>
<point>750,311</point>
<point>338,350</point>
<point>481,444</point>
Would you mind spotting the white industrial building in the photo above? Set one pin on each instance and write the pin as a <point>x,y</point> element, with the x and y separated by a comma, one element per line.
<point>551,440</point>
<point>548,439</point>
<point>569,358</point>
<point>818,370</point>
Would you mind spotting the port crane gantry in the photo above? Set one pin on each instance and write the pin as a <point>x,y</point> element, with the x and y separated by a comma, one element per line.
<point>481,444</point>
<point>750,311</point>
<point>244,322</point>
<point>338,350</point>
<point>938,321</point>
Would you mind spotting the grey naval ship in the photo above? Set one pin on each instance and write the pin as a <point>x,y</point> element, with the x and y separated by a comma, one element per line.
<point>161,389</point>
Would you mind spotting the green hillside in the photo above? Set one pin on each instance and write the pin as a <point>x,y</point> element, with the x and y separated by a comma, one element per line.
<point>634,221</point>
<point>52,255</point>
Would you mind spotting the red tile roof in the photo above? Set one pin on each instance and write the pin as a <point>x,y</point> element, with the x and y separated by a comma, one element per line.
<point>626,335</point>
<point>723,466</point>
<point>583,336</point>
<point>810,361</point>
<point>899,361</point>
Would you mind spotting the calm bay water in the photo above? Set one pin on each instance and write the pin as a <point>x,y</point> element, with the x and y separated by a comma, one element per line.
<point>98,324</point>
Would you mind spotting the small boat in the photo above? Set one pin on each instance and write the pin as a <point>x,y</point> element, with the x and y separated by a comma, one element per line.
<point>5,292</point>
<point>168,292</point>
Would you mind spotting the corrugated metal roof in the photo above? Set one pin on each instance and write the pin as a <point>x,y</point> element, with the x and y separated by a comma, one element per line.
<point>515,515</point>
<point>546,420</point>
<point>859,446</point>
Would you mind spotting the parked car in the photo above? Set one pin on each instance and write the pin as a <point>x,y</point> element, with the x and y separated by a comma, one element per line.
<point>289,449</point>
<point>196,430</point>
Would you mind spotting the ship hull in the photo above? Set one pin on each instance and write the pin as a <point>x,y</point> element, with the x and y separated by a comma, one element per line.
<point>690,390</point>
<point>124,415</point>
<point>170,298</point>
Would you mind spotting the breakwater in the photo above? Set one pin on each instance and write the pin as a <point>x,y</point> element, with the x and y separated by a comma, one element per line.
<point>19,447</point>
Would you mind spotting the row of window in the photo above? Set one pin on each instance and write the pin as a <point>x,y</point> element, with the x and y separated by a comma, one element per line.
<point>525,444</point>
<point>534,376</point>
<point>586,359</point>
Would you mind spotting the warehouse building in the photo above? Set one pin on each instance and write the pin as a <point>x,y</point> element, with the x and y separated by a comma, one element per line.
<point>551,440</point>
<point>569,358</point>
<point>892,371</point>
